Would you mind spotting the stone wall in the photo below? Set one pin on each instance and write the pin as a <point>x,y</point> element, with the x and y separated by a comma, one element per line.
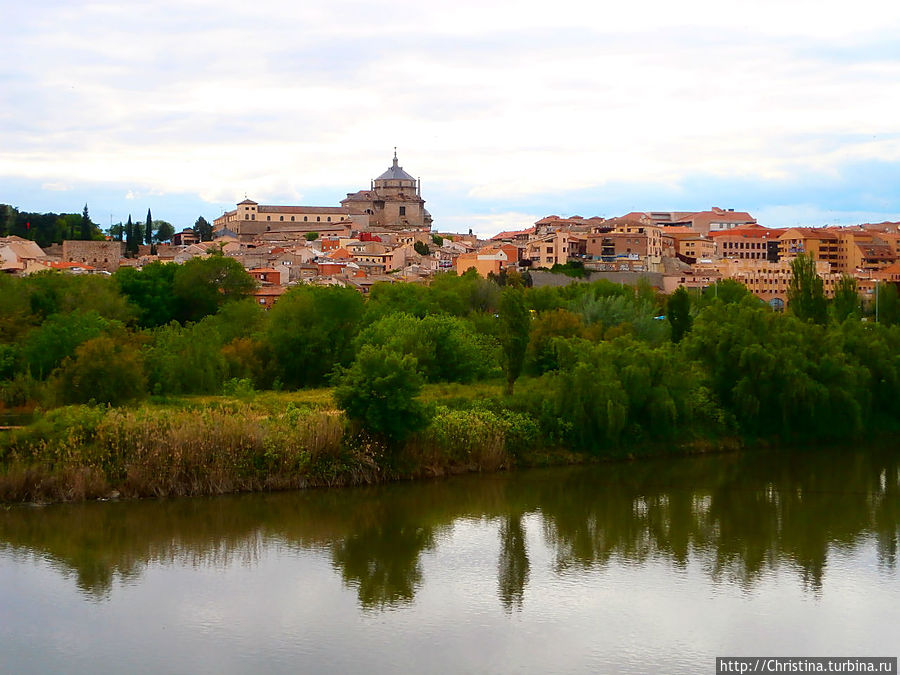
<point>101,255</point>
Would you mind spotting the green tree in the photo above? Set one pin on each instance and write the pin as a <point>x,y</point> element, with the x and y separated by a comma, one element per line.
<point>806,292</point>
<point>151,290</point>
<point>421,248</point>
<point>54,292</point>
<point>846,299</point>
<point>164,230</point>
<point>116,231</point>
<point>388,298</point>
<point>726,290</point>
<point>515,325</point>
<point>148,229</point>
<point>678,312</point>
<point>103,370</point>
<point>203,229</point>
<point>311,236</point>
<point>185,359</point>
<point>887,304</point>
<point>545,330</point>
<point>446,348</point>
<point>132,238</point>
<point>202,285</point>
<point>87,227</point>
<point>310,331</point>
<point>57,338</point>
<point>378,392</point>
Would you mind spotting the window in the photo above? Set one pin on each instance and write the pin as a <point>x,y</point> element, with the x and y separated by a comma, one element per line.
<point>305,218</point>
<point>402,210</point>
<point>329,219</point>
<point>268,217</point>
<point>281,217</point>
<point>318,219</point>
<point>292,219</point>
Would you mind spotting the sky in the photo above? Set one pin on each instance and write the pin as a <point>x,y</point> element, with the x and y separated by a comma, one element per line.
<point>508,112</point>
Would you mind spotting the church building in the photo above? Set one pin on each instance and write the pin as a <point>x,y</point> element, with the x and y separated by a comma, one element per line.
<point>392,202</point>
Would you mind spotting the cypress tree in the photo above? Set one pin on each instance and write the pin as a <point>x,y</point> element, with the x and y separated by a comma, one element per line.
<point>131,244</point>
<point>86,225</point>
<point>148,230</point>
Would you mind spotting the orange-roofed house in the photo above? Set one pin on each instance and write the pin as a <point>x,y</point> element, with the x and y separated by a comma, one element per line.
<point>267,295</point>
<point>490,260</point>
<point>269,275</point>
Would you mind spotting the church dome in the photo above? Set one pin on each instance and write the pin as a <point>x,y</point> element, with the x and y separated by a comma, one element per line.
<point>396,172</point>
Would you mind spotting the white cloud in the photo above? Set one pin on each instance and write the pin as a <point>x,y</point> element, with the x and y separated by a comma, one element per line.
<point>56,187</point>
<point>221,99</point>
<point>490,224</point>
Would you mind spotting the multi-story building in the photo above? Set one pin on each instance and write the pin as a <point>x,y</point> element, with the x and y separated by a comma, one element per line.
<point>624,238</point>
<point>817,242</point>
<point>714,220</point>
<point>548,250</point>
<point>688,245</point>
<point>767,280</point>
<point>750,242</point>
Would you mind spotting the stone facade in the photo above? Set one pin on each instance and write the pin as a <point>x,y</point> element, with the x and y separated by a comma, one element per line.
<point>101,255</point>
<point>393,202</point>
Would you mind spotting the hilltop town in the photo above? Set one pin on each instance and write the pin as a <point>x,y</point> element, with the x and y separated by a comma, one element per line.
<point>385,234</point>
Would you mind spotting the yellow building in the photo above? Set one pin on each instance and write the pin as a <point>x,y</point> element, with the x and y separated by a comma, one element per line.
<point>819,243</point>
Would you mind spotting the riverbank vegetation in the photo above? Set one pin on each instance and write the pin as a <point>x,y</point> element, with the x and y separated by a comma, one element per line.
<point>169,381</point>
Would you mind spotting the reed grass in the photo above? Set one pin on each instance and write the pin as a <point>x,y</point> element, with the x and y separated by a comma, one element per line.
<point>214,445</point>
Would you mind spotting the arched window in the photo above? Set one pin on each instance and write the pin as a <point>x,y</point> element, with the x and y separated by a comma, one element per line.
<point>281,218</point>
<point>292,219</point>
<point>268,217</point>
<point>305,218</point>
<point>329,219</point>
<point>318,219</point>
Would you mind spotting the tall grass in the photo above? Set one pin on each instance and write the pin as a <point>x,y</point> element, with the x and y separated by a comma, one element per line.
<point>272,441</point>
<point>83,452</point>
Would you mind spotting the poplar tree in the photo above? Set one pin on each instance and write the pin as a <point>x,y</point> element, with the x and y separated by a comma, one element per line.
<point>806,293</point>
<point>678,312</point>
<point>515,326</point>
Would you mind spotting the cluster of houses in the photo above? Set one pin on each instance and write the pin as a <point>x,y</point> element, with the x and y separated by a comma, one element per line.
<point>384,234</point>
<point>699,249</point>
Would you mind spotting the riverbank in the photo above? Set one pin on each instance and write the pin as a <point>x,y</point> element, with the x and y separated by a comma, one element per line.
<point>273,441</point>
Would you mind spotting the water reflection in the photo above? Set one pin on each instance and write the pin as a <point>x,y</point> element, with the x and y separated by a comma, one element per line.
<point>513,565</point>
<point>741,516</point>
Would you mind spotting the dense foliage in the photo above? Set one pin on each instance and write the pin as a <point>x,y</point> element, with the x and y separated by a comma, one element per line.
<point>604,371</point>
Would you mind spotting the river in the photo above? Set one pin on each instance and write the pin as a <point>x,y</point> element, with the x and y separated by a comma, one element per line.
<point>648,566</point>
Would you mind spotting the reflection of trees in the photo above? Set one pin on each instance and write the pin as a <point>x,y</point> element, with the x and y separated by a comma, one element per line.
<point>745,514</point>
<point>383,562</point>
<point>513,565</point>
<point>738,515</point>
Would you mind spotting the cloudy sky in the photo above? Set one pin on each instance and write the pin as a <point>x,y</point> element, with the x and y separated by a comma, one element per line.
<point>507,111</point>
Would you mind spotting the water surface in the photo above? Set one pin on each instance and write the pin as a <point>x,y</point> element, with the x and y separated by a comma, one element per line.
<point>652,566</point>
